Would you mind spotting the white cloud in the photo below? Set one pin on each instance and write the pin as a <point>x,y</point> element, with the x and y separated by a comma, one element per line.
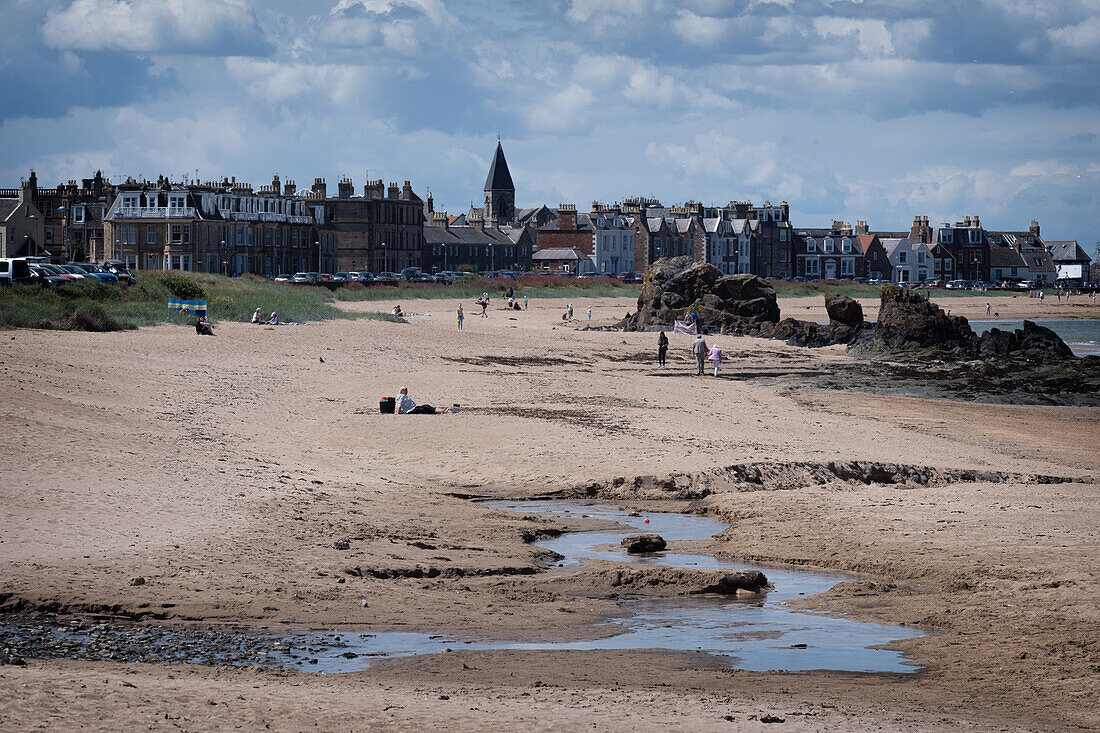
<point>582,11</point>
<point>273,81</point>
<point>435,10</point>
<point>562,111</point>
<point>1081,40</point>
<point>871,35</point>
<point>164,26</point>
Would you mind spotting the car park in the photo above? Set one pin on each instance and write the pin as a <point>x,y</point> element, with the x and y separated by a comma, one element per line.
<point>958,285</point>
<point>386,278</point>
<point>96,271</point>
<point>56,270</point>
<point>45,278</point>
<point>14,271</point>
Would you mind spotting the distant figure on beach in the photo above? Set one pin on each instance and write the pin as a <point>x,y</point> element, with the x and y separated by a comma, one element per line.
<point>662,348</point>
<point>715,355</point>
<point>203,327</point>
<point>274,320</point>
<point>405,406</point>
<point>1042,295</point>
<point>569,310</point>
<point>509,294</point>
<point>397,311</point>
<point>590,313</point>
<point>460,317</point>
<point>525,302</point>
<point>987,308</point>
<point>257,317</point>
<point>700,349</point>
<point>484,304</point>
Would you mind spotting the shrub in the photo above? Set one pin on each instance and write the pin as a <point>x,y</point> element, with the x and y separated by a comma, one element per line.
<point>89,317</point>
<point>181,287</point>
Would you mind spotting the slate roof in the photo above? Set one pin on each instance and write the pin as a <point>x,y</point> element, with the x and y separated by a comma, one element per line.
<point>558,254</point>
<point>499,177</point>
<point>1005,257</point>
<point>7,206</point>
<point>1066,251</point>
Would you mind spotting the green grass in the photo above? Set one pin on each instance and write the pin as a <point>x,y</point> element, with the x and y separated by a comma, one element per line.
<point>88,305</point>
<point>472,288</point>
<point>786,289</point>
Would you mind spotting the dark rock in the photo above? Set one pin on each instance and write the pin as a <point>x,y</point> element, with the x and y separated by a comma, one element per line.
<point>137,581</point>
<point>676,287</point>
<point>639,543</point>
<point>342,544</point>
<point>844,310</point>
<point>742,582</point>
<point>1034,337</point>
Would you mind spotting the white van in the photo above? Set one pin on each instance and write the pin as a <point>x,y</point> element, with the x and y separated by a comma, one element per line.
<point>15,270</point>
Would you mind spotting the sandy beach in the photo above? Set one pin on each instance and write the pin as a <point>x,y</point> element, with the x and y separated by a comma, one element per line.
<point>223,470</point>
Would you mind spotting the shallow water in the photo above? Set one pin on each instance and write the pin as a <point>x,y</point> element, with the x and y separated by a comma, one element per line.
<point>753,634</point>
<point>1082,335</point>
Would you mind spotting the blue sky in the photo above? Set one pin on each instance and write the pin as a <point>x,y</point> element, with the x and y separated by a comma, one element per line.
<point>876,110</point>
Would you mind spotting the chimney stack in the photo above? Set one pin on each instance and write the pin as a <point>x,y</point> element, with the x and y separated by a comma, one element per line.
<point>289,188</point>
<point>320,187</point>
<point>393,192</point>
<point>567,217</point>
<point>345,189</point>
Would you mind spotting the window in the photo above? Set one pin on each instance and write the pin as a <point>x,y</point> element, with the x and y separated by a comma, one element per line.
<point>874,256</point>
<point>829,245</point>
<point>151,235</point>
<point>294,238</point>
<point>131,201</point>
<point>176,201</point>
<point>187,235</point>
<point>847,266</point>
<point>49,235</point>
<point>903,256</point>
<point>920,256</point>
<point>176,238</point>
<point>846,245</point>
<point>947,236</point>
<point>784,235</point>
<point>78,214</point>
<point>811,245</point>
<point>811,267</point>
<point>975,236</point>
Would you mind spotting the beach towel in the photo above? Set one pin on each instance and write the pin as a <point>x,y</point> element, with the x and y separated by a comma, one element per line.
<point>686,328</point>
<point>194,307</point>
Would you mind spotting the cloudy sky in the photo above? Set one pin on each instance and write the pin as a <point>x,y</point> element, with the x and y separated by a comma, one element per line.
<point>860,109</point>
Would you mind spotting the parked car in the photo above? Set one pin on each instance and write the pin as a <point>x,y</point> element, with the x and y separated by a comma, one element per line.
<point>76,272</point>
<point>342,277</point>
<point>45,278</point>
<point>365,277</point>
<point>304,278</point>
<point>119,269</point>
<point>15,270</point>
<point>96,271</point>
<point>284,278</point>
<point>958,285</point>
<point>386,278</point>
<point>325,278</point>
<point>57,270</point>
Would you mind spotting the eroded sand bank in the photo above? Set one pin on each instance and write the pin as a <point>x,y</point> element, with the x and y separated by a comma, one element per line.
<point>223,470</point>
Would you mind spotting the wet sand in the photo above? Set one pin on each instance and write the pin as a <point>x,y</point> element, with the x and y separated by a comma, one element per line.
<point>222,470</point>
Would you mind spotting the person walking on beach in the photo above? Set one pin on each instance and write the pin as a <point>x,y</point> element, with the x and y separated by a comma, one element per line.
<point>987,309</point>
<point>525,302</point>
<point>700,349</point>
<point>484,304</point>
<point>715,355</point>
<point>589,313</point>
<point>569,310</point>
<point>662,348</point>
<point>460,317</point>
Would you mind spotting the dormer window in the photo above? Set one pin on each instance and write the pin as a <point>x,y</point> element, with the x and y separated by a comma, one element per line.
<point>975,236</point>
<point>131,201</point>
<point>846,245</point>
<point>811,245</point>
<point>947,236</point>
<point>78,214</point>
<point>829,245</point>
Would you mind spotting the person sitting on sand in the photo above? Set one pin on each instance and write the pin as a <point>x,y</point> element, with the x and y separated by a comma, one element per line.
<point>203,327</point>
<point>405,405</point>
<point>257,317</point>
<point>397,311</point>
<point>274,320</point>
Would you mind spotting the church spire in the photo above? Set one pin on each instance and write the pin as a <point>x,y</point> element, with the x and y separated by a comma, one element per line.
<point>499,178</point>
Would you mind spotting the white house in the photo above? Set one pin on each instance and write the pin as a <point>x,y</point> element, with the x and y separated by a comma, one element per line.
<point>612,243</point>
<point>910,260</point>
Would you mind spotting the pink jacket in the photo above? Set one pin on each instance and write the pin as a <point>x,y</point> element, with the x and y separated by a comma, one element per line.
<point>715,354</point>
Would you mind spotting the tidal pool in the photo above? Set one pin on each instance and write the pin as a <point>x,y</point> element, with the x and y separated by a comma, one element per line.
<point>753,634</point>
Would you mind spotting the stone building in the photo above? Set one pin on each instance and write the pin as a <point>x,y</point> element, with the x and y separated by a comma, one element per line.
<point>224,227</point>
<point>71,216</point>
<point>380,231</point>
<point>475,248</point>
<point>22,229</point>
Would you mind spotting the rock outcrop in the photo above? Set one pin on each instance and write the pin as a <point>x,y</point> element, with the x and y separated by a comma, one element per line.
<point>843,309</point>
<point>909,324</point>
<point>741,583</point>
<point>678,286</point>
<point>640,543</point>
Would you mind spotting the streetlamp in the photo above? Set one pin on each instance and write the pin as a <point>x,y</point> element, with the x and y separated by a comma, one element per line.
<point>385,258</point>
<point>33,217</point>
<point>225,259</point>
<point>317,244</point>
<point>64,238</point>
<point>118,249</point>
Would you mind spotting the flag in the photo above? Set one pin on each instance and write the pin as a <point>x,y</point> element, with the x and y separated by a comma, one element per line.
<point>683,327</point>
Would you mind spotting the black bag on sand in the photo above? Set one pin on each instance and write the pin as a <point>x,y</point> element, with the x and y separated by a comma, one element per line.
<point>387,405</point>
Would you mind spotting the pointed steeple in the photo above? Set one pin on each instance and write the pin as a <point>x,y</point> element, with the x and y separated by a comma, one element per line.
<point>499,179</point>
